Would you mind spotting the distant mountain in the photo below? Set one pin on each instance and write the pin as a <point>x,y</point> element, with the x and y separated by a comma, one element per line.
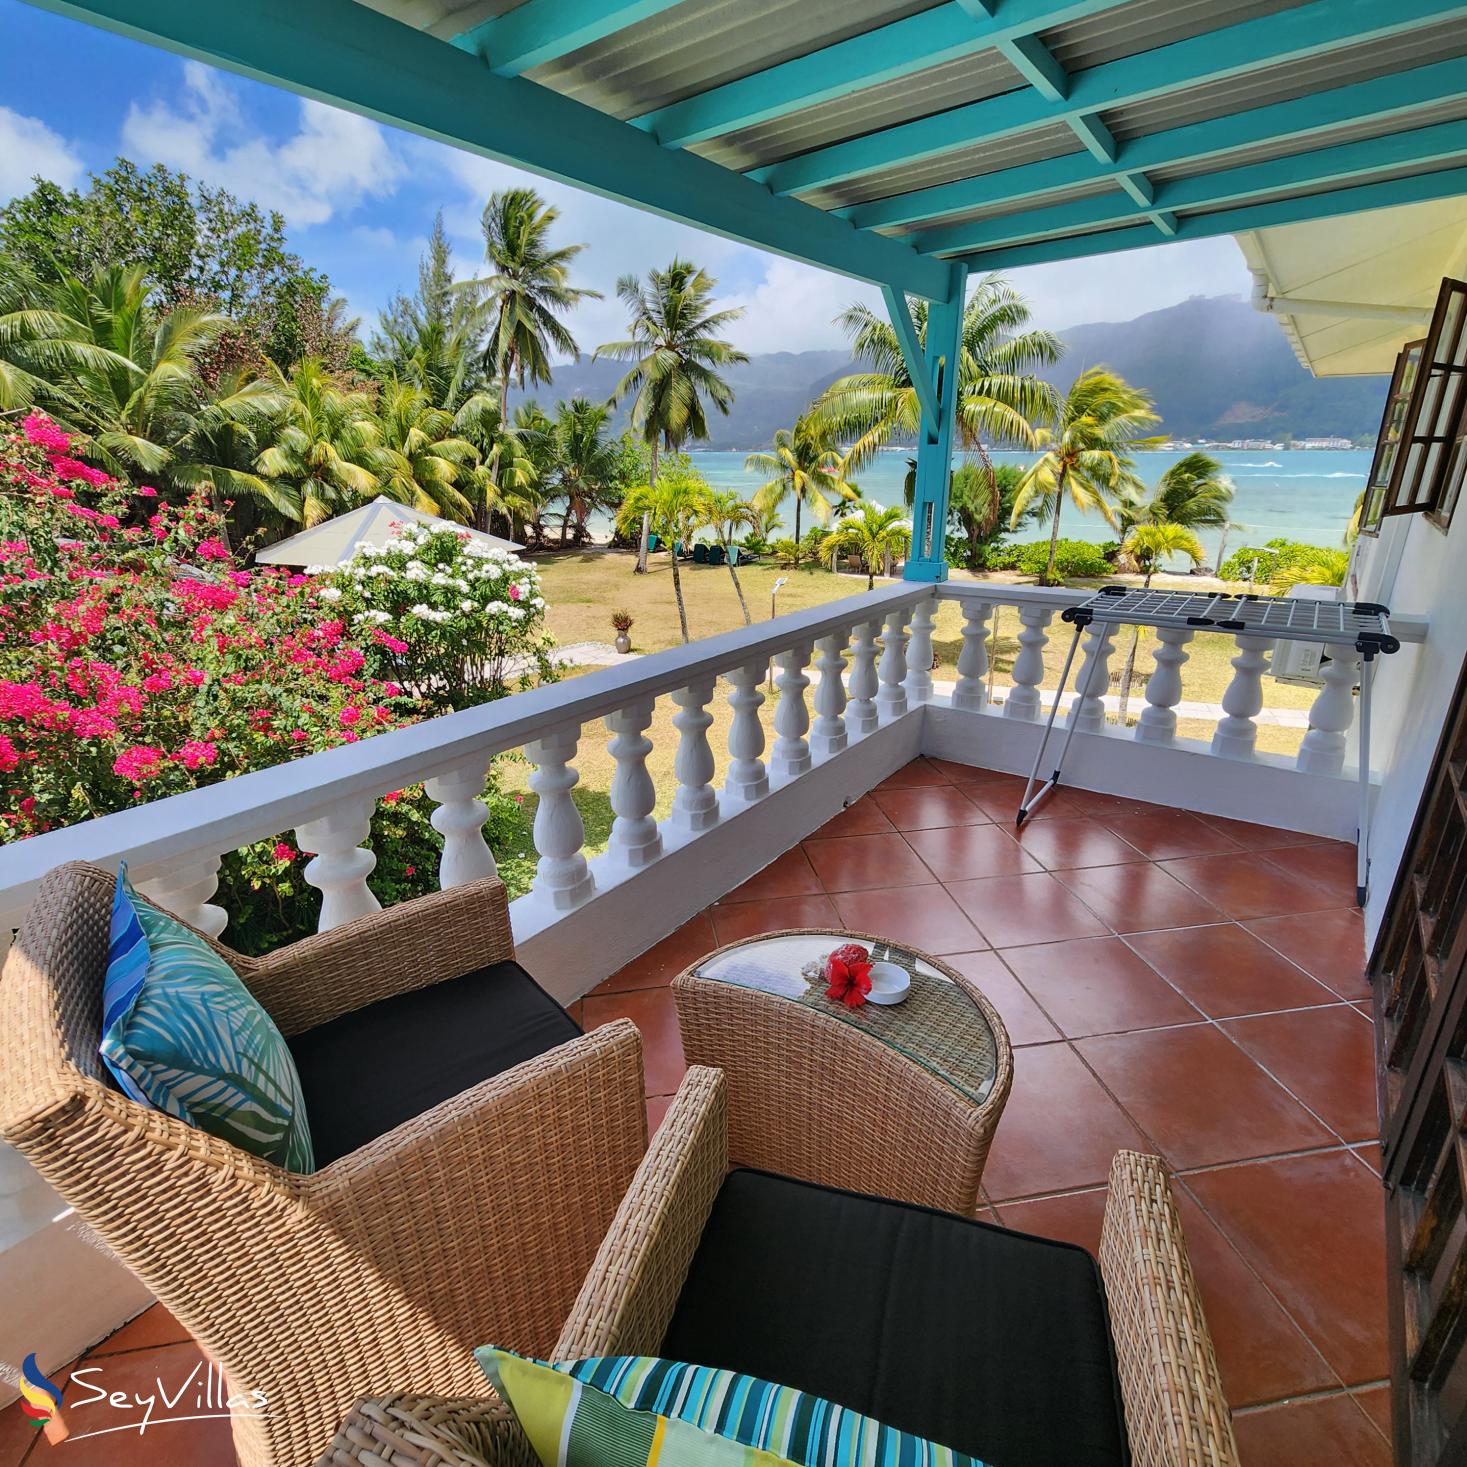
<point>1216,367</point>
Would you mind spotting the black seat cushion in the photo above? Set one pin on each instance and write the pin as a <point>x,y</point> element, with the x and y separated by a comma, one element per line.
<point>370,1070</point>
<point>986,1341</point>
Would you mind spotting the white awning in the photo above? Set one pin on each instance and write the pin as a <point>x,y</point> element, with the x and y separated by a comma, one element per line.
<point>1349,292</point>
<point>335,541</point>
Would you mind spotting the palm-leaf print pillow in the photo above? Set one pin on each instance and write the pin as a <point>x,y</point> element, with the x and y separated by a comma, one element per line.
<point>181,1033</point>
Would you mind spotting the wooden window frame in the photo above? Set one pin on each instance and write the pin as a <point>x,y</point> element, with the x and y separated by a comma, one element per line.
<point>1378,480</point>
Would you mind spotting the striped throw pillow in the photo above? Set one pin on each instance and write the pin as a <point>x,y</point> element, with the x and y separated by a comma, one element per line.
<point>638,1411</point>
<point>181,1033</point>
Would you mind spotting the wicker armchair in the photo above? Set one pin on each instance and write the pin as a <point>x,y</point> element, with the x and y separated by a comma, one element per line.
<point>381,1271</point>
<point>1175,1411</point>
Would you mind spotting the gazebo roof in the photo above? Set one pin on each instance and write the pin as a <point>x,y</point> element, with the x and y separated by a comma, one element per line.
<point>335,541</point>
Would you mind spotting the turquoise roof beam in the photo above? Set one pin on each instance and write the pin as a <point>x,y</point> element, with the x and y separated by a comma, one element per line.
<point>1036,63</point>
<point>545,30</point>
<point>1232,51</point>
<point>1421,147</point>
<point>352,56</point>
<point>911,345</point>
<point>913,44</point>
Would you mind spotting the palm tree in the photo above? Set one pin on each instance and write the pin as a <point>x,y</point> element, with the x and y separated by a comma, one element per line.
<point>1148,545</point>
<point>805,465</point>
<point>1087,455</point>
<point>726,512</point>
<point>585,460</point>
<point>877,536</point>
<point>326,446</point>
<point>672,507</point>
<point>419,460</point>
<point>676,354</point>
<point>1319,566</point>
<point>1193,492</point>
<point>1000,395</point>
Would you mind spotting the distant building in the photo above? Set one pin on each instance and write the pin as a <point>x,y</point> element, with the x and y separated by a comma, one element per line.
<point>1323,443</point>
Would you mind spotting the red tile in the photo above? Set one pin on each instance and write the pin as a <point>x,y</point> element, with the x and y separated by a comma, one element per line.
<point>1059,1130</point>
<point>1097,985</point>
<point>1313,1227</point>
<point>1375,1401</point>
<point>1241,885</point>
<point>1370,1155</point>
<point>154,1326</point>
<point>922,917</point>
<point>652,1011</point>
<point>1327,1431</point>
<point>1099,806</point>
<point>577,1011</point>
<point>1329,946</point>
<point>749,919</point>
<point>959,773</point>
<point>788,875</point>
<point>1331,866</point>
<point>1227,971</point>
<point>1253,837</point>
<point>1137,898</point>
<point>1012,910</point>
<point>18,1436</point>
<point>928,807</point>
<point>1326,1057</point>
<point>1174,833</point>
<point>1074,841</point>
<point>1001,801</point>
<point>1022,1017</point>
<point>1070,1217</point>
<point>918,772</point>
<point>966,852</point>
<point>851,862</point>
<point>657,1107</point>
<point>991,780</point>
<point>1199,1097</point>
<point>662,962</point>
<point>864,817</point>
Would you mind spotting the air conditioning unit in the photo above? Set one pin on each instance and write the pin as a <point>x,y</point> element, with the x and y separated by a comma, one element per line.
<point>1299,662</point>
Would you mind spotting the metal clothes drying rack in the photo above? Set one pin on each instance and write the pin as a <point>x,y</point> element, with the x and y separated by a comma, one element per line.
<point>1362,625</point>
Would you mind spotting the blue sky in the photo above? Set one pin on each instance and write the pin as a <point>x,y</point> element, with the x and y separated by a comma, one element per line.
<point>359,198</point>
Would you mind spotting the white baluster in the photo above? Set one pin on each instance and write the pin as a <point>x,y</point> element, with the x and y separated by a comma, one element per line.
<point>340,866</point>
<point>891,696</point>
<point>918,684</point>
<point>562,878</point>
<point>747,778</point>
<point>1236,732</point>
<point>185,891</point>
<point>828,735</point>
<point>971,692</point>
<point>1331,714</point>
<point>1158,721</point>
<point>635,840</point>
<point>695,806</point>
<point>1087,711</point>
<point>1028,674</point>
<point>861,714</point>
<point>790,756</point>
<point>459,819</point>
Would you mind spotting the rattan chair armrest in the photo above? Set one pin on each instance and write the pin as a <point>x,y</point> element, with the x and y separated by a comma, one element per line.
<point>627,1300</point>
<point>1176,1413</point>
<point>427,940</point>
<point>430,1431</point>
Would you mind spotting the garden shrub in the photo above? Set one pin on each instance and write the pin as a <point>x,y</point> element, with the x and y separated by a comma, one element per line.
<point>1073,559</point>
<point>1273,557</point>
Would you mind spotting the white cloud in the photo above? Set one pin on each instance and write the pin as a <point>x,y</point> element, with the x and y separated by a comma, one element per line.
<point>794,308</point>
<point>29,148</point>
<point>332,164</point>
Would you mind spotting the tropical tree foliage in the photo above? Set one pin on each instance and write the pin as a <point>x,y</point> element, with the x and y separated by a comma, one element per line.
<point>727,513</point>
<point>1150,545</point>
<point>673,507</point>
<point>805,465</point>
<point>874,535</point>
<point>1193,492</point>
<point>586,462</point>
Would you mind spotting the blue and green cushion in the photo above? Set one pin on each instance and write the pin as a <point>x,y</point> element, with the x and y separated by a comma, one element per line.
<point>181,1033</point>
<point>639,1411</point>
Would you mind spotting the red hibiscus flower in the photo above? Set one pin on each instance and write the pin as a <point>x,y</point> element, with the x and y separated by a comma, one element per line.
<point>848,972</point>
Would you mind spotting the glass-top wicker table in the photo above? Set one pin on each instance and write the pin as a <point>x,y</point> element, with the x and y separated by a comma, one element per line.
<point>899,1101</point>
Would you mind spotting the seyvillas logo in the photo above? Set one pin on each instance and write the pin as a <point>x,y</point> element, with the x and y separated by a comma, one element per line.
<point>41,1400</point>
<point>201,1395</point>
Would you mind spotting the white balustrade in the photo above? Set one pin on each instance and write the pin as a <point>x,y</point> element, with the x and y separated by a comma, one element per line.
<point>1023,700</point>
<point>861,712</point>
<point>891,696</point>
<point>971,690</point>
<point>747,778</point>
<point>635,840</point>
<point>340,864</point>
<point>918,684</point>
<point>459,819</point>
<point>1331,714</point>
<point>562,878</point>
<point>828,734</point>
<point>1158,721</point>
<point>790,756</point>
<point>1087,710</point>
<point>695,805</point>
<point>1237,732</point>
<point>185,891</point>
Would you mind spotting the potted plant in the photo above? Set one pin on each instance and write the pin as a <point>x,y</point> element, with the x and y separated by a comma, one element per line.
<point>622,621</point>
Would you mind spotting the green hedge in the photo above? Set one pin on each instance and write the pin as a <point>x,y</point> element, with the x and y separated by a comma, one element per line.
<point>1073,558</point>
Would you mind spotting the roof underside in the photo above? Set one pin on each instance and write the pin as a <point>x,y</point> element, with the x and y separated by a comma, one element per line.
<point>883,138</point>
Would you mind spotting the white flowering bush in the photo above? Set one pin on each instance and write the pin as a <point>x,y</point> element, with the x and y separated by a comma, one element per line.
<point>450,620</point>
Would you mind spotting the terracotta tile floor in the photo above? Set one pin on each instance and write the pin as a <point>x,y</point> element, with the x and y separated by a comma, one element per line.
<point>1171,982</point>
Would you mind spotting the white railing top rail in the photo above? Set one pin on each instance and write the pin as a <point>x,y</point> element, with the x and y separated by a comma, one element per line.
<point>254,806</point>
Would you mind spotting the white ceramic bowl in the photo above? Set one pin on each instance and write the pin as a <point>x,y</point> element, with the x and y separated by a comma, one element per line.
<point>889,983</point>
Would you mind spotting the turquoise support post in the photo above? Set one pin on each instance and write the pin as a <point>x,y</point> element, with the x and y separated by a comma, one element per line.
<point>940,353</point>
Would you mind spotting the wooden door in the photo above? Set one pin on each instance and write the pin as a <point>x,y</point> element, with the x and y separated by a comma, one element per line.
<point>1419,973</point>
